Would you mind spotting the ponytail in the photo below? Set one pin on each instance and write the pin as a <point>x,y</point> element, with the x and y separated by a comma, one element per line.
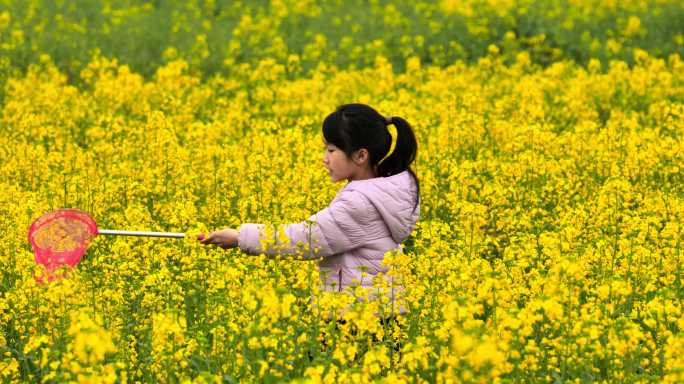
<point>403,154</point>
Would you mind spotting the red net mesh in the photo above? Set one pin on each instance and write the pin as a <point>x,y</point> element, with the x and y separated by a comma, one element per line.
<point>61,237</point>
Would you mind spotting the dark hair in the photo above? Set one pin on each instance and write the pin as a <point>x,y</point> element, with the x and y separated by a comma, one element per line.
<point>355,126</point>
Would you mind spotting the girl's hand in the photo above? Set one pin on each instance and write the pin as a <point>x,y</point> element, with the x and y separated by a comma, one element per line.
<point>226,238</point>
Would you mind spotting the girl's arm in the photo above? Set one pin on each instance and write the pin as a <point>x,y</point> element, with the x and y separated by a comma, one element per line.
<point>335,229</point>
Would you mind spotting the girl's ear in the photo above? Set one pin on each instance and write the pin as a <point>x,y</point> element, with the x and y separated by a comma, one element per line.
<point>361,156</point>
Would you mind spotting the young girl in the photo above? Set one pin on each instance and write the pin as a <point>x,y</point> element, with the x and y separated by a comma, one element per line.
<point>372,214</point>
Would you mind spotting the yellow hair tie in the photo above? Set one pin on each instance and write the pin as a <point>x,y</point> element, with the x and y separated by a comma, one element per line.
<point>393,132</point>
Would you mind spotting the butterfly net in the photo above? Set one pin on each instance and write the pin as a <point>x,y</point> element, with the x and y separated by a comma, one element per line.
<point>61,237</point>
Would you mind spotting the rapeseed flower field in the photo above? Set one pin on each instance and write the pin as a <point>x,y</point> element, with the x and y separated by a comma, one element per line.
<point>550,243</point>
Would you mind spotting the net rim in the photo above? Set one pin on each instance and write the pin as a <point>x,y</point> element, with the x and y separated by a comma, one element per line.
<point>46,218</point>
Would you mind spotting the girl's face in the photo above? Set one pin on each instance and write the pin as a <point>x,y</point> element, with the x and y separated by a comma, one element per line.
<point>340,166</point>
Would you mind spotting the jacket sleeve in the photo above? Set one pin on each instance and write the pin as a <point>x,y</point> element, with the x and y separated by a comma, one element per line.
<point>335,229</point>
